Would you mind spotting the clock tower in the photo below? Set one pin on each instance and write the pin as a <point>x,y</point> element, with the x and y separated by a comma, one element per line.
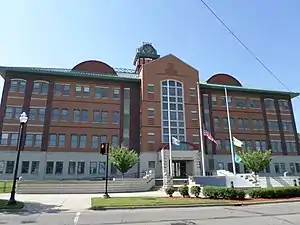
<point>144,54</point>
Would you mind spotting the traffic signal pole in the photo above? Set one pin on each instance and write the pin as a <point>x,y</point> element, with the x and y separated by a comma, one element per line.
<point>106,195</point>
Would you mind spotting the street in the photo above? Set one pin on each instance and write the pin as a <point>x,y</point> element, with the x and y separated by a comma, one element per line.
<point>275,214</point>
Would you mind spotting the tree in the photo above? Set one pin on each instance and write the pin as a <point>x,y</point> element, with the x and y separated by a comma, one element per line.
<point>123,158</point>
<point>255,160</point>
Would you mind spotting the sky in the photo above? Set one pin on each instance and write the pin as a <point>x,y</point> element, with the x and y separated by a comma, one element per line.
<point>56,33</point>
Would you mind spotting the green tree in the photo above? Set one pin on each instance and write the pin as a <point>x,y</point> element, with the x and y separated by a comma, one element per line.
<point>255,160</point>
<point>123,158</point>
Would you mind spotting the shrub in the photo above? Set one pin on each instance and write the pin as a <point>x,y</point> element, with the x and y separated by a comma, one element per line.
<point>223,193</point>
<point>184,191</point>
<point>276,192</point>
<point>195,190</point>
<point>170,191</point>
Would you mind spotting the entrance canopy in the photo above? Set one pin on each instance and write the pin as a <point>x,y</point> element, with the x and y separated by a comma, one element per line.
<point>182,146</point>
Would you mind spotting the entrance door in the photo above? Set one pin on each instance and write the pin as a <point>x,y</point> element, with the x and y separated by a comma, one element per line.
<point>237,167</point>
<point>179,169</point>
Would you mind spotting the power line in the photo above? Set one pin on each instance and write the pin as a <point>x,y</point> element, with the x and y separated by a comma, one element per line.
<point>245,46</point>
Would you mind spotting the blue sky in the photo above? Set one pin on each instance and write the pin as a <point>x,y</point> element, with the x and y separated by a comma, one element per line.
<point>62,33</point>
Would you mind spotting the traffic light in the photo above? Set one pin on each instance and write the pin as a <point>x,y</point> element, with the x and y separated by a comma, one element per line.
<point>103,148</point>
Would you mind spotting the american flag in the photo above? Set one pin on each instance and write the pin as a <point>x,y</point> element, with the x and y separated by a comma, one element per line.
<point>209,136</point>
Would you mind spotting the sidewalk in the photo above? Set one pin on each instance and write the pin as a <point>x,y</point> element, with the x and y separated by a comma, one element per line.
<point>71,202</point>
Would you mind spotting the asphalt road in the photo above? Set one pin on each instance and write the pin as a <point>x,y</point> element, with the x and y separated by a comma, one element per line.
<point>276,214</point>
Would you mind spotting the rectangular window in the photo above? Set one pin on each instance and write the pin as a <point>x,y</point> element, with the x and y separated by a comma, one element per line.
<point>9,112</point>
<point>241,103</point>
<point>18,111</point>
<point>93,167</point>
<point>284,105</point>
<point>102,168</point>
<point>95,141</point>
<point>116,117</point>
<point>41,114</point>
<point>29,140</point>
<point>273,125</point>
<point>115,140</point>
<point>57,89</point>
<point>55,115</point>
<point>276,146</point>
<point>116,93</point>
<point>82,143</point>
<point>227,145</point>
<point>80,167</point>
<point>219,146</point>
<point>103,139</point>
<point>66,89</point>
<point>32,114</point>
<point>14,86</point>
<point>35,165</point>
<point>223,101</point>
<point>14,139</point>
<point>254,104</point>
<point>193,92</point>
<point>49,167</point>
<point>9,167</point>
<point>38,140</point>
<point>84,115</point>
<point>150,88</point>
<point>64,115</point>
<point>276,168</point>
<point>217,122</point>
<point>61,140</point>
<point>104,117</point>
<point>52,140</point>
<point>214,100</point>
<point>86,91</point>
<point>78,89</point>
<point>72,168</point>
<point>269,104</point>
<point>74,141</point>
<point>240,124</point>
<point>150,112</point>
<point>76,115</point>
<point>4,139</point>
<point>151,164</point>
<point>225,123</point>
<point>59,167</point>
<point>101,92</point>
<point>96,116</point>
<point>25,167</point>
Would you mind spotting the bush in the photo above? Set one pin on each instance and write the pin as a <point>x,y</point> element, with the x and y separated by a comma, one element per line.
<point>277,192</point>
<point>223,193</point>
<point>195,190</point>
<point>170,191</point>
<point>184,191</point>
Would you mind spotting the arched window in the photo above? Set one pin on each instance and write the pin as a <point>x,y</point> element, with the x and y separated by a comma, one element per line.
<point>40,87</point>
<point>172,94</point>
<point>17,85</point>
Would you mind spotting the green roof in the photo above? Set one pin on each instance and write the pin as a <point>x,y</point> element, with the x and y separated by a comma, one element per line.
<point>131,76</point>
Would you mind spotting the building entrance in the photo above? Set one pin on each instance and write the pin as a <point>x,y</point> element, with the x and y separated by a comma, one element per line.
<point>179,169</point>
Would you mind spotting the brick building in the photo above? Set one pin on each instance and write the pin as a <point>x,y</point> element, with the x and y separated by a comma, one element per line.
<point>72,111</point>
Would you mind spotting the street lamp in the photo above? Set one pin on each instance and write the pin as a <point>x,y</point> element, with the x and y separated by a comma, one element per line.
<point>23,120</point>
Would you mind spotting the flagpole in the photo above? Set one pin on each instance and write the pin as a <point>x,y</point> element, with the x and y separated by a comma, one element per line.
<point>230,135</point>
<point>200,130</point>
<point>170,137</point>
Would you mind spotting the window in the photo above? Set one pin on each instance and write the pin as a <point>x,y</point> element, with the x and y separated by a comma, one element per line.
<point>86,91</point>
<point>227,145</point>
<point>254,104</point>
<point>257,145</point>
<point>291,146</point>
<point>14,139</point>
<point>150,88</point>
<point>40,87</point>
<point>214,100</point>
<point>82,142</point>
<point>72,168</point>
<point>64,115</point>
<point>95,142</point>
<point>101,92</point>
<point>17,86</point>
<point>57,89</point>
<point>193,92</point>
<point>38,140</point>
<point>17,112</point>
<point>61,140</point>
<point>219,146</point>
<point>241,103</point>
<point>93,167</point>
<point>9,112</point>
<point>80,167</point>
<point>34,167</point>
<point>175,109</point>
<point>41,114</point>
<point>115,140</point>
<point>273,125</point>
<point>55,115</point>
<point>52,140</point>
<point>59,168</point>
<point>76,115</point>
<point>284,105</point>
<point>223,101</point>
<point>32,114</point>
<point>217,122</point>
<point>49,167</point>
<point>4,139</point>
<point>84,115</point>
<point>269,104</point>
<point>74,141</point>
<point>104,117</point>
<point>116,93</point>
<point>78,89</point>
<point>66,89</point>
<point>258,124</point>
<point>150,112</point>
<point>151,164</point>
<point>9,167</point>
<point>102,168</point>
<point>276,168</point>
<point>276,146</point>
<point>29,140</point>
<point>116,117</point>
<point>225,123</point>
<point>96,116</point>
<point>103,139</point>
<point>25,167</point>
<point>287,126</point>
<point>240,124</point>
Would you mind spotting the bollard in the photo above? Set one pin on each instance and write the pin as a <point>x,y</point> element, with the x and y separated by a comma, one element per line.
<point>295,183</point>
<point>231,184</point>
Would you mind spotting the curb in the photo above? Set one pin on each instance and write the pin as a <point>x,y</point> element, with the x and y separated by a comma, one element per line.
<point>195,205</point>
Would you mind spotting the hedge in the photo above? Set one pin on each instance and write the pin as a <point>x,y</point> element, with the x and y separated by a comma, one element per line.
<point>276,192</point>
<point>223,193</point>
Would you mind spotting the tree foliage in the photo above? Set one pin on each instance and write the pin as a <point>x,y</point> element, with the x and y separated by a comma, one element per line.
<point>255,160</point>
<point>123,158</point>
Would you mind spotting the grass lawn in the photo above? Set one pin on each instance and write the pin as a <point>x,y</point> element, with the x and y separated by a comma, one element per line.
<point>3,205</point>
<point>100,203</point>
<point>5,186</point>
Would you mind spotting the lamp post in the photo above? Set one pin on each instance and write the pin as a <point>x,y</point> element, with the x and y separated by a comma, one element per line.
<point>106,195</point>
<point>23,120</point>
